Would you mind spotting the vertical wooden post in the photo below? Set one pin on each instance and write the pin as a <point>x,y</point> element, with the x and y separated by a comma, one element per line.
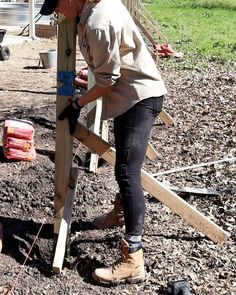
<point>93,121</point>
<point>64,141</point>
<point>31,19</point>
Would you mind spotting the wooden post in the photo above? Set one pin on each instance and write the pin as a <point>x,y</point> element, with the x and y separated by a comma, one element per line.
<point>155,188</point>
<point>31,19</point>
<point>64,141</point>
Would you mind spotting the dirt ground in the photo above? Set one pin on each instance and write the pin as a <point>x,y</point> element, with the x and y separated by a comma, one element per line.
<point>203,105</point>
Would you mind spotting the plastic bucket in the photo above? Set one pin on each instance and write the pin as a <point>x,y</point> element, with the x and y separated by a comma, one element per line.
<point>48,58</point>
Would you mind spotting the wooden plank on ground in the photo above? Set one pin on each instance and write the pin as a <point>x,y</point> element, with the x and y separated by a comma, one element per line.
<point>179,169</point>
<point>64,141</point>
<point>65,222</point>
<point>196,191</point>
<point>155,188</point>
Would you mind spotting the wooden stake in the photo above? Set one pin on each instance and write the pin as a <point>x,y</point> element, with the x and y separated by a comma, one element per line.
<point>155,188</point>
<point>65,222</point>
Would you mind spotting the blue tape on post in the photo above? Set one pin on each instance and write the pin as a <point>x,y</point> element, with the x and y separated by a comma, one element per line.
<point>67,81</point>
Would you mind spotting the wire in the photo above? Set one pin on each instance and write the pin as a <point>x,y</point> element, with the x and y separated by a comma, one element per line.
<point>10,292</point>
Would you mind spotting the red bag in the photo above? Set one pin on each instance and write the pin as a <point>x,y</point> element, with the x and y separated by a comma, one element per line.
<point>18,142</point>
<point>15,154</point>
<point>18,128</point>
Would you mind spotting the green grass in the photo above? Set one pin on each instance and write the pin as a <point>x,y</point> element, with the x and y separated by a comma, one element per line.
<point>222,4</point>
<point>205,29</point>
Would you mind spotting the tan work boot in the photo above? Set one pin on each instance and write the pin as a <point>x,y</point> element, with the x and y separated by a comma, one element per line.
<point>113,218</point>
<point>129,268</point>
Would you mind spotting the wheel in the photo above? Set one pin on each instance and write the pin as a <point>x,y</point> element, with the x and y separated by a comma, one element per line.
<point>4,53</point>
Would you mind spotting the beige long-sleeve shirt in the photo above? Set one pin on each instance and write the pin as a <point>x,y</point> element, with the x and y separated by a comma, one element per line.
<point>115,51</point>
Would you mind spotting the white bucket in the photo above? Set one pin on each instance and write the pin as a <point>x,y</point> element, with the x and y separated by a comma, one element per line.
<point>48,58</point>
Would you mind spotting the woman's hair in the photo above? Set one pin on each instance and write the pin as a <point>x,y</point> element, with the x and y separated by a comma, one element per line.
<point>94,1</point>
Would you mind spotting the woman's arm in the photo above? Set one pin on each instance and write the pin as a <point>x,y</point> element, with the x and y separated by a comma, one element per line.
<point>92,94</point>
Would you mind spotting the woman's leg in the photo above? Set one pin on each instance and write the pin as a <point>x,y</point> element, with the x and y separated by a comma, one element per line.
<point>131,131</point>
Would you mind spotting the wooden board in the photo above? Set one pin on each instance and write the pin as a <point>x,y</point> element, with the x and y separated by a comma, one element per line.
<point>151,153</point>
<point>195,191</point>
<point>195,166</point>
<point>166,118</point>
<point>65,222</point>
<point>155,188</point>
<point>144,30</point>
<point>93,121</point>
<point>46,31</point>
<point>150,23</point>
<point>64,141</point>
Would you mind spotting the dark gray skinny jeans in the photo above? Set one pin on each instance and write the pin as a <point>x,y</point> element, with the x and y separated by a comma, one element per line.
<point>131,131</point>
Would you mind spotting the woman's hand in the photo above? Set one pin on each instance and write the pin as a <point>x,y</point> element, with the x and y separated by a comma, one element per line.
<point>72,113</point>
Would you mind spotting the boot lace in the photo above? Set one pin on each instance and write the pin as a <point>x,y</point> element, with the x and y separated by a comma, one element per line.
<point>118,262</point>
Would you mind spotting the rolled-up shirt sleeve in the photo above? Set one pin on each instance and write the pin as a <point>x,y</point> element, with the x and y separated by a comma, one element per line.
<point>104,50</point>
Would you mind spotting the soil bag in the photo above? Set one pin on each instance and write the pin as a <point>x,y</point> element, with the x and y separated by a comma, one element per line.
<point>17,143</point>
<point>18,140</point>
<point>16,154</point>
<point>18,129</point>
